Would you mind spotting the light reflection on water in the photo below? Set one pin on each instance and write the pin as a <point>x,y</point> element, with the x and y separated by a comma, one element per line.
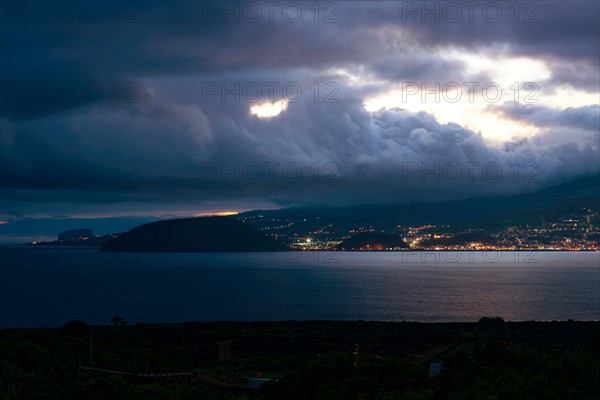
<point>49,286</point>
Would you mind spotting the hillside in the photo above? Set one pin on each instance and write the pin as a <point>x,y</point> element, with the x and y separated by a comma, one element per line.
<point>372,241</point>
<point>480,212</point>
<point>204,234</point>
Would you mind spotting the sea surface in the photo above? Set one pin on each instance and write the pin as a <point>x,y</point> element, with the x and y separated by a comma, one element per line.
<point>46,287</point>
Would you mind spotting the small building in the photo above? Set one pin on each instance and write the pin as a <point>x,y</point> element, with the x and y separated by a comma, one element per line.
<point>252,383</point>
<point>435,368</point>
<point>256,383</point>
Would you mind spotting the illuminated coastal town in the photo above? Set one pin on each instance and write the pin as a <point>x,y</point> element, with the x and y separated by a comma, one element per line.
<point>579,231</point>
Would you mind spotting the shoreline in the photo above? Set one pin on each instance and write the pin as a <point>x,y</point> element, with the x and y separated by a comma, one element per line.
<point>44,246</point>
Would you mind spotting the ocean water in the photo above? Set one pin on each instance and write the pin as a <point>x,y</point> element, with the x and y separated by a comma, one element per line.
<point>46,287</point>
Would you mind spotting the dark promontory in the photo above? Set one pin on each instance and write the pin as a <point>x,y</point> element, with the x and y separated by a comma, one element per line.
<point>372,241</point>
<point>203,234</point>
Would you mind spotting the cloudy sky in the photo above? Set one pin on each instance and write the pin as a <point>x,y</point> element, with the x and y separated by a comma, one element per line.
<point>136,110</point>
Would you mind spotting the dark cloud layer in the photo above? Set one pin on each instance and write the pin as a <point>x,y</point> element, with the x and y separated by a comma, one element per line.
<point>191,38</point>
<point>586,118</point>
<point>116,110</point>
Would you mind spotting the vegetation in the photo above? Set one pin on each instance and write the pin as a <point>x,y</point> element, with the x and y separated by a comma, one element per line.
<point>553,360</point>
<point>372,241</point>
<point>490,372</point>
<point>117,320</point>
<point>491,320</point>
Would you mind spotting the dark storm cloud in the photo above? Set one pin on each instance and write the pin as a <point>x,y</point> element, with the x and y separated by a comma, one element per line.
<point>548,29</point>
<point>562,34</point>
<point>159,39</point>
<point>426,68</point>
<point>587,118</point>
<point>152,135</point>
<point>580,75</point>
<point>180,152</point>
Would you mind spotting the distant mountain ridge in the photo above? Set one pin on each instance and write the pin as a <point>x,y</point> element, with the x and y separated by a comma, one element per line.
<point>72,235</point>
<point>481,212</point>
<point>245,231</point>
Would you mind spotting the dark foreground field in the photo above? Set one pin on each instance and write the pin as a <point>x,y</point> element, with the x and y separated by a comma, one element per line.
<point>329,360</point>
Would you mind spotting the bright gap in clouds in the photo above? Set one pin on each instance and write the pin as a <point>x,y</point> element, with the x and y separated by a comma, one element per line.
<point>269,110</point>
<point>467,105</point>
<point>216,213</point>
<point>503,70</point>
<point>474,115</point>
